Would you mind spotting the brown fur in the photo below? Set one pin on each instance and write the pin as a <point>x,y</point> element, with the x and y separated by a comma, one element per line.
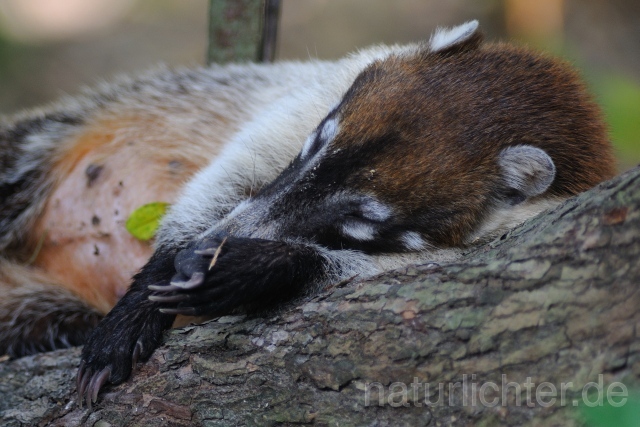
<point>463,90</point>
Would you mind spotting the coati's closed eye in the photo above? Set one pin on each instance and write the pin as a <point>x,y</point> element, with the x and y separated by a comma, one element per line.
<point>364,208</point>
<point>363,218</point>
<point>309,145</point>
<point>373,210</point>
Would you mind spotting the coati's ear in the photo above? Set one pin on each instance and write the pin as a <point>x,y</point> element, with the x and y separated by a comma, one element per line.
<point>449,40</point>
<point>527,171</point>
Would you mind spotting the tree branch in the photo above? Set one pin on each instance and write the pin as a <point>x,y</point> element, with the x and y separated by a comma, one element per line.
<point>556,300</point>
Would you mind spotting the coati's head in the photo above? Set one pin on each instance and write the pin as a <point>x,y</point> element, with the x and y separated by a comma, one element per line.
<point>435,146</point>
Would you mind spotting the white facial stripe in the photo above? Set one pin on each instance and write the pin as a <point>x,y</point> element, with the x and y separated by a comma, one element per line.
<point>358,230</point>
<point>328,132</point>
<point>307,144</point>
<point>447,37</point>
<point>375,211</point>
<point>413,241</point>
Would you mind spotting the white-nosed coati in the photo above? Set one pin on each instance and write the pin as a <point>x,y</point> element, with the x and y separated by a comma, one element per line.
<point>307,173</point>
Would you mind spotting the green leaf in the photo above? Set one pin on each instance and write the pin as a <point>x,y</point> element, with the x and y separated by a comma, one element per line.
<point>144,221</point>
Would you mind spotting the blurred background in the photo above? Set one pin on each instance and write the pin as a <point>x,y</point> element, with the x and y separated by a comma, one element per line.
<point>53,47</point>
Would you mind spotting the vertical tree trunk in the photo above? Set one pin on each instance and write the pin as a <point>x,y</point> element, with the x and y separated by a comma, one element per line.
<point>242,30</point>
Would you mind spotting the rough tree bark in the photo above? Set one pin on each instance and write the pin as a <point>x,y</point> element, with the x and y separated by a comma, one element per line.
<point>556,300</point>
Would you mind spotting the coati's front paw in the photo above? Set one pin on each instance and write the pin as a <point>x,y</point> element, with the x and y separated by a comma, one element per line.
<point>109,356</point>
<point>115,347</point>
<point>130,332</point>
<point>219,273</point>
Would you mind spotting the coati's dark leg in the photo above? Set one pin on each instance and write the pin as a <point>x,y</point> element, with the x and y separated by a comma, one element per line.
<point>245,271</point>
<point>218,273</point>
<point>130,332</point>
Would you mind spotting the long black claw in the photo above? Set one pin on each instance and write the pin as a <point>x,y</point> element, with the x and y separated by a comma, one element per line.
<point>196,280</point>
<point>97,382</point>
<point>187,311</point>
<point>81,382</point>
<point>207,251</point>
<point>136,353</point>
<point>163,288</point>
<point>169,298</point>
